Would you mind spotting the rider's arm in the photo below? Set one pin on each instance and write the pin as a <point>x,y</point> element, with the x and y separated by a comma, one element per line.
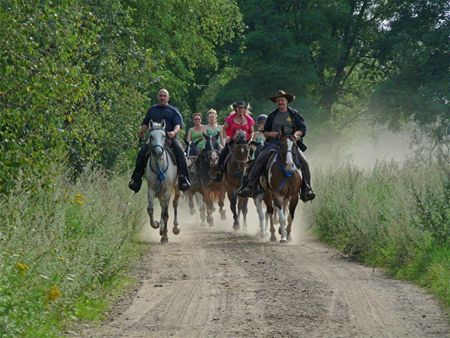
<point>224,130</point>
<point>175,131</point>
<point>142,130</point>
<point>189,135</point>
<point>252,133</point>
<point>271,134</point>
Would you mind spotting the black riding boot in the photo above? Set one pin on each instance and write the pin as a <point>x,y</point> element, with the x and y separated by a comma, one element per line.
<point>139,169</point>
<point>306,193</point>
<point>248,188</point>
<point>183,178</point>
<point>221,163</point>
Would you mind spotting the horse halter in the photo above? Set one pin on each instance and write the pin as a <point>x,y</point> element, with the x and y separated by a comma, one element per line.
<point>155,147</point>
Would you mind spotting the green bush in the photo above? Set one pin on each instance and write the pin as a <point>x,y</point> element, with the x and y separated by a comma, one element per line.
<point>393,216</point>
<point>59,246</point>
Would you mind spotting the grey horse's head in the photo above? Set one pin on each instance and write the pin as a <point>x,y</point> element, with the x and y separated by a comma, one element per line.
<point>157,138</point>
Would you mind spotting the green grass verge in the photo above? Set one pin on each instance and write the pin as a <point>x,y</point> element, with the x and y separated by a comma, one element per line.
<point>395,217</point>
<point>64,253</point>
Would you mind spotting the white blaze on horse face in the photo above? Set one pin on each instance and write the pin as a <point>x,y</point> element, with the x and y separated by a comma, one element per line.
<point>289,159</point>
<point>157,141</point>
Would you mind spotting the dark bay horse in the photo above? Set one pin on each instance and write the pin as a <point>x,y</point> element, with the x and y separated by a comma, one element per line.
<point>191,152</point>
<point>282,184</point>
<point>235,166</point>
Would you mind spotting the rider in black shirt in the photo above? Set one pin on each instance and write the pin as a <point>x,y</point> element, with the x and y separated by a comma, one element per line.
<point>174,121</point>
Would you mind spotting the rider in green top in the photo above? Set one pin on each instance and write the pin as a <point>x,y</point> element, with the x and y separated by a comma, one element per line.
<point>195,134</point>
<point>213,129</point>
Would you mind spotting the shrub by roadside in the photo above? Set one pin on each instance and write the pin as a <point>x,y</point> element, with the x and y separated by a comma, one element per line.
<point>59,247</point>
<point>392,216</point>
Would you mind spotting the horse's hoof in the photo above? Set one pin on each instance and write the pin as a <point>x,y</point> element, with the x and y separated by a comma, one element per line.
<point>273,238</point>
<point>155,225</point>
<point>176,230</point>
<point>289,238</point>
<point>192,211</point>
<point>283,240</point>
<point>164,240</point>
<point>223,217</point>
<point>236,227</point>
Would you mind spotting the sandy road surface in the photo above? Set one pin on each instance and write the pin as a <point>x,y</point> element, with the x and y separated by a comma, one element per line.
<point>211,282</point>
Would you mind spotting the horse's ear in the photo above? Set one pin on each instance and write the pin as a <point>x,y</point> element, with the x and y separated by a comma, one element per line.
<point>207,137</point>
<point>150,124</point>
<point>163,124</point>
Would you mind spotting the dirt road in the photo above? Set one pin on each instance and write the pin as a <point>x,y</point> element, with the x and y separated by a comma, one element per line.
<point>216,283</point>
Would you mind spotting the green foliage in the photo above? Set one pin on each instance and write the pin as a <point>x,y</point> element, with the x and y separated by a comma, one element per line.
<point>386,61</point>
<point>60,248</point>
<point>75,75</point>
<point>396,217</point>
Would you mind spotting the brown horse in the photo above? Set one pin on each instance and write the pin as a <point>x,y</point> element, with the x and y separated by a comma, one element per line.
<point>211,191</point>
<point>282,185</point>
<point>235,167</point>
<point>202,183</point>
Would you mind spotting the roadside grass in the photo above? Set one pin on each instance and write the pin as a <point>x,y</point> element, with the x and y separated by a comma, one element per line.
<point>392,216</point>
<point>64,252</point>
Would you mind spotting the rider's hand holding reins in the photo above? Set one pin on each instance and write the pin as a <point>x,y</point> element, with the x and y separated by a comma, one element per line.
<point>142,131</point>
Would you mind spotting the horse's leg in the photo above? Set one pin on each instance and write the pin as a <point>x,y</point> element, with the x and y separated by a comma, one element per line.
<point>269,206</point>
<point>222,212</point>
<point>176,228</point>
<point>191,202</point>
<point>292,205</point>
<point>207,200</point>
<point>245,211</point>
<point>281,219</point>
<point>151,197</point>
<point>232,196</point>
<point>164,201</point>
<point>201,207</point>
<point>260,211</point>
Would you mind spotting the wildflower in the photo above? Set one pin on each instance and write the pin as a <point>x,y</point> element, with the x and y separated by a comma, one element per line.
<point>79,199</point>
<point>22,267</point>
<point>54,293</point>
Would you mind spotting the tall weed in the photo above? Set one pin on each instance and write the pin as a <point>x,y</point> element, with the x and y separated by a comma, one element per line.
<point>59,244</point>
<point>393,216</point>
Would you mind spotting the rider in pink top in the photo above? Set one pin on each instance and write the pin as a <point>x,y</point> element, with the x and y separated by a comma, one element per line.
<point>231,127</point>
<point>239,120</point>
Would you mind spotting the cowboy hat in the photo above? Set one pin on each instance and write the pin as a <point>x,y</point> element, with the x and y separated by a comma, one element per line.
<point>282,93</point>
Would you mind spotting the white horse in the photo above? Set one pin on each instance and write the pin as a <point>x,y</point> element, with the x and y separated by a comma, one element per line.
<point>161,174</point>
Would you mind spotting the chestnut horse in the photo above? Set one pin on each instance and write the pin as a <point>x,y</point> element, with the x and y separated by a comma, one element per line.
<point>282,187</point>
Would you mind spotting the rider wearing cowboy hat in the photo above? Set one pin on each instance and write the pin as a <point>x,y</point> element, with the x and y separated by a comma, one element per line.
<point>289,119</point>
